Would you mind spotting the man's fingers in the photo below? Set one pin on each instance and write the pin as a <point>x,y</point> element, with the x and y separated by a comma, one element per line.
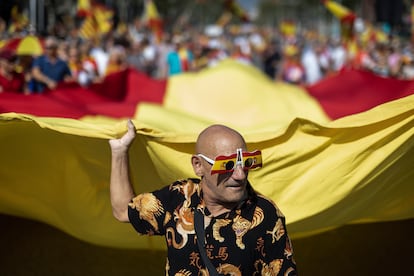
<point>129,135</point>
<point>131,125</point>
<point>126,139</point>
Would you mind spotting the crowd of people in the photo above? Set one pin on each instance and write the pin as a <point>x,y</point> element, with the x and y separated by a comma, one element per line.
<point>303,58</point>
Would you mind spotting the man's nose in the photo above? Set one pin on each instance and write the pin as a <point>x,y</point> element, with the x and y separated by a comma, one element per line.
<point>239,173</point>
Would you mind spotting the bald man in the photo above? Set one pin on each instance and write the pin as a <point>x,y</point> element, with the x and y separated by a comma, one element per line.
<point>240,231</point>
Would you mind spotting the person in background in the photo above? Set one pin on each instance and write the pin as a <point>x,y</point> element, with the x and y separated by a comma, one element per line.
<point>143,57</point>
<point>363,59</point>
<point>134,58</point>
<point>407,67</point>
<point>24,66</point>
<point>82,69</point>
<point>338,54</point>
<point>89,63</point>
<point>180,59</point>
<point>271,58</point>
<point>239,55</point>
<point>48,69</point>
<point>310,62</point>
<point>117,60</point>
<point>99,52</point>
<point>10,80</point>
<point>291,69</point>
<point>149,55</point>
<point>63,50</point>
<point>245,232</point>
<point>394,60</point>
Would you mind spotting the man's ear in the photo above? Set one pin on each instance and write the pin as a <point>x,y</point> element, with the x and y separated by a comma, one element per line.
<point>197,166</point>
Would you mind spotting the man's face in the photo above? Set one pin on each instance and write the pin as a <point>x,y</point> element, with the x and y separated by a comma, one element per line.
<point>224,188</point>
<point>51,49</point>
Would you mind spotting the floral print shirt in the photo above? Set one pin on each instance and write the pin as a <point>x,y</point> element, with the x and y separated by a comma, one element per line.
<point>249,240</point>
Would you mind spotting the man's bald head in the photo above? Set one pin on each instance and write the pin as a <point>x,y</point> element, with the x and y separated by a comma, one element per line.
<point>219,140</point>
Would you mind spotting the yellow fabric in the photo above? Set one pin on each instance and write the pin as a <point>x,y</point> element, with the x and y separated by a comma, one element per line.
<point>103,17</point>
<point>151,11</point>
<point>288,28</point>
<point>337,9</point>
<point>2,43</point>
<point>18,20</point>
<point>321,173</point>
<point>30,45</point>
<point>240,96</point>
<point>83,5</point>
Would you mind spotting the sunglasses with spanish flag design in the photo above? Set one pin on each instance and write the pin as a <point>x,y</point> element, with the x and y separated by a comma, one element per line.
<point>227,163</point>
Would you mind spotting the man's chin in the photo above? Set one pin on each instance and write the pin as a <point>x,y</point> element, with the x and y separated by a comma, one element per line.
<point>235,194</point>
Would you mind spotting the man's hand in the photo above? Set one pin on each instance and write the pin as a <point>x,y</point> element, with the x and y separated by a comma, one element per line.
<point>51,84</point>
<point>122,144</point>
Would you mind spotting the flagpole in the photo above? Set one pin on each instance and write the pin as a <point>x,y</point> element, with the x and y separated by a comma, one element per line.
<point>412,23</point>
<point>33,13</point>
<point>41,17</point>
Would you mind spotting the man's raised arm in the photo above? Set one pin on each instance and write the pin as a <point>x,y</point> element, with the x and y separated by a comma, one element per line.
<point>120,186</point>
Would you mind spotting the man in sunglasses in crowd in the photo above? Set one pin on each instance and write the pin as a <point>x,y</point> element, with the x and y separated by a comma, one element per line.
<point>49,69</point>
<point>214,225</point>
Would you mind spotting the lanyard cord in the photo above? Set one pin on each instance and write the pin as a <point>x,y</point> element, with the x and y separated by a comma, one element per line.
<point>199,229</point>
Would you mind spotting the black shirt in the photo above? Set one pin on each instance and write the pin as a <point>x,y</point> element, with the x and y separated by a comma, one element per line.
<point>249,240</point>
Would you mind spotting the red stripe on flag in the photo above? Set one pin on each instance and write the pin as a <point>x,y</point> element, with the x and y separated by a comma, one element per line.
<point>352,91</point>
<point>118,96</point>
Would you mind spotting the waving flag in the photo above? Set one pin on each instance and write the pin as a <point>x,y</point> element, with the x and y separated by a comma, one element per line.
<point>19,20</point>
<point>56,170</point>
<point>83,8</point>
<point>234,8</point>
<point>345,16</point>
<point>153,19</point>
<point>98,19</point>
<point>339,11</point>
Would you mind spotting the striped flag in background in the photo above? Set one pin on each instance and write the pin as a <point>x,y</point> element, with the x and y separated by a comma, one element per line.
<point>98,19</point>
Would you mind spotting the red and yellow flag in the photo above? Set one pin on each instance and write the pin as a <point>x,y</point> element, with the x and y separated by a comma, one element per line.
<point>18,20</point>
<point>234,7</point>
<point>153,19</point>
<point>83,8</point>
<point>98,19</point>
<point>345,16</point>
<point>322,173</point>
<point>339,11</point>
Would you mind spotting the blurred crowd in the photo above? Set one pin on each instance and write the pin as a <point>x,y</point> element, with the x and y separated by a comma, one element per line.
<point>302,58</point>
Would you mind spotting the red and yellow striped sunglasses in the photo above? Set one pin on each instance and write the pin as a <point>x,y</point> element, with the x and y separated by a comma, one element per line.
<point>227,163</point>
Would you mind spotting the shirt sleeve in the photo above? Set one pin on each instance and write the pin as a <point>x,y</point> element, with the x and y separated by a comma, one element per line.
<point>147,212</point>
<point>37,62</point>
<point>67,70</point>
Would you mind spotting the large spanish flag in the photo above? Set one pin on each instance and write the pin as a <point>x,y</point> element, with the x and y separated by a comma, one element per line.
<point>322,172</point>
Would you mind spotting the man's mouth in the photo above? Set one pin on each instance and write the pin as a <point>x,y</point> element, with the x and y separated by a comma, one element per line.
<point>235,185</point>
